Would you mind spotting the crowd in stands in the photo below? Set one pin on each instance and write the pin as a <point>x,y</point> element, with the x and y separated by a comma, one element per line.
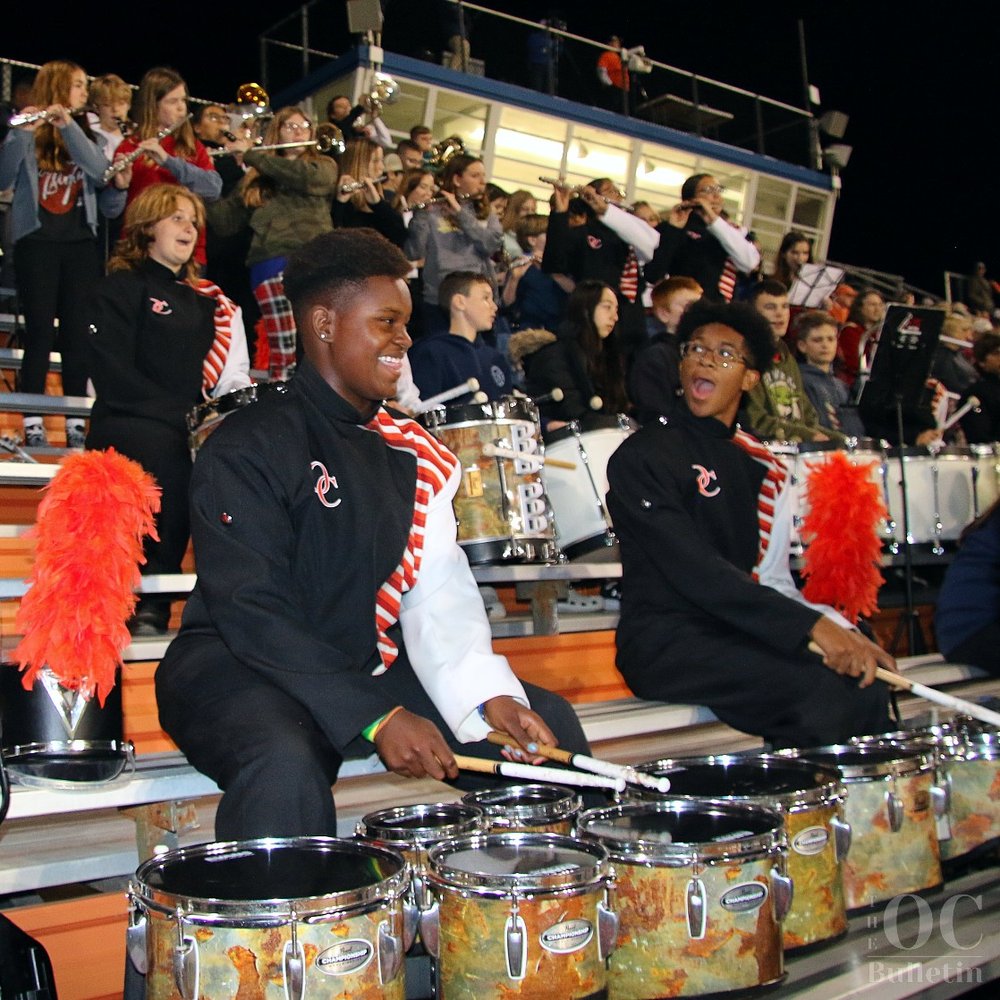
<point>584,297</point>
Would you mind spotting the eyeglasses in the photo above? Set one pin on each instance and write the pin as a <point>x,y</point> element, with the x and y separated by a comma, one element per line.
<point>725,356</point>
<point>296,127</point>
<point>218,119</point>
<point>711,189</point>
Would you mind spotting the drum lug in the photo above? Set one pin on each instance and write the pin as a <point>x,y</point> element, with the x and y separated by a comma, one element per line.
<point>186,967</point>
<point>697,909</point>
<point>411,917</point>
<point>896,811</point>
<point>784,893</point>
<point>390,953</point>
<point>293,968</point>
<point>941,801</point>
<point>607,930</point>
<point>515,943</point>
<point>841,838</point>
<point>429,928</point>
<point>135,939</point>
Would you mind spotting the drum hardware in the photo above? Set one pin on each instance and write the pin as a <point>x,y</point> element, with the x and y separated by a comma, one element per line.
<point>526,808</point>
<point>495,451</point>
<point>584,763</point>
<point>360,185</point>
<point>204,418</point>
<point>129,158</point>
<point>470,385</point>
<point>529,772</point>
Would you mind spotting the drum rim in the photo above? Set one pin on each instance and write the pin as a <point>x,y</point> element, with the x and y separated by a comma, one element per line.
<point>561,807</point>
<point>903,765</point>
<point>273,911</point>
<point>830,792</point>
<point>574,428</point>
<point>121,750</point>
<point>375,825</point>
<point>682,854</point>
<point>507,404</point>
<point>479,883</point>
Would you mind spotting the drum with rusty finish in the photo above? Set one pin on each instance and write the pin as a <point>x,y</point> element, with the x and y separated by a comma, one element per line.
<point>527,808</point>
<point>273,919</point>
<point>700,892</point>
<point>810,799</point>
<point>519,915</point>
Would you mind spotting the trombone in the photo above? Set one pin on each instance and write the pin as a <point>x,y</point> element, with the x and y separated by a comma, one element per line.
<point>322,143</point>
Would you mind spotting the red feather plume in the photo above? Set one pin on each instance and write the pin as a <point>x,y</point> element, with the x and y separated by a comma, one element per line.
<point>91,523</point>
<point>840,564</point>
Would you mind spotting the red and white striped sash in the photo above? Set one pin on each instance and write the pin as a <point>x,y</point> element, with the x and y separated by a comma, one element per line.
<point>215,360</point>
<point>435,464</point>
<point>774,482</point>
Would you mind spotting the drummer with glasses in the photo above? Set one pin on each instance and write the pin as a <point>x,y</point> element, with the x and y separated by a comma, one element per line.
<point>162,341</point>
<point>709,613</point>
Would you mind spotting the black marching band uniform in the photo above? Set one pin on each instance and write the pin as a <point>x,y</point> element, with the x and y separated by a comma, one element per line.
<point>710,614</point>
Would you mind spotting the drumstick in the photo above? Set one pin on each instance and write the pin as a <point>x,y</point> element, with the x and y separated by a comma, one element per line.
<point>585,763</point>
<point>545,774</point>
<point>972,403</point>
<point>471,385</point>
<point>929,694</point>
<point>939,697</point>
<point>494,451</point>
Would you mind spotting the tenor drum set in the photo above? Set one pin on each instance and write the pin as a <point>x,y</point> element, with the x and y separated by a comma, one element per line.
<point>699,878</point>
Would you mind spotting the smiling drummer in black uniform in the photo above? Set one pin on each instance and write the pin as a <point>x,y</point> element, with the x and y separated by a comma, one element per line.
<point>334,611</point>
<point>710,614</point>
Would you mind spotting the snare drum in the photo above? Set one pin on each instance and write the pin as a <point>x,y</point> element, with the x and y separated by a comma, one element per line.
<point>583,524</point>
<point>502,510</point>
<point>527,808</point>
<point>894,844</point>
<point>309,916</point>
<point>809,797</point>
<point>700,892</point>
<point>206,417</point>
<point>940,490</point>
<point>974,789</point>
<point>519,915</point>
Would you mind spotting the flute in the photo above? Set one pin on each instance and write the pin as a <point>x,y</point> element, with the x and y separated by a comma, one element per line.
<point>543,774</point>
<point>129,158</point>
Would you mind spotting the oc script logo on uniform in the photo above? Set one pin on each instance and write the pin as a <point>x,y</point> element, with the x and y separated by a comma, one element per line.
<point>160,306</point>
<point>706,476</point>
<point>324,484</point>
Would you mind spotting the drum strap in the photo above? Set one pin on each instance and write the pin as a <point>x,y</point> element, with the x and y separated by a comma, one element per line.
<point>435,466</point>
<point>775,479</point>
<point>215,360</point>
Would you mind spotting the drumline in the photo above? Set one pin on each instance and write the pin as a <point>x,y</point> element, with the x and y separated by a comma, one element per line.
<point>700,884</point>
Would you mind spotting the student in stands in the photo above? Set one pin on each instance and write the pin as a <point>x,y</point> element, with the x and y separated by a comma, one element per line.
<point>285,198</point>
<point>520,205</point>
<point>444,360</point>
<point>777,407</point>
<point>816,336</point>
<point>856,343</point>
<point>111,98</point>
<point>411,155</point>
<point>364,162</point>
<point>458,233</point>
<point>55,168</point>
<point>950,366</point>
<point>583,360</point>
<point>982,425</point>
<point>533,298</point>
<point>709,614</point>
<point>169,157</point>
<point>324,625</point>
<point>699,241</point>
<point>162,341</point>
<point>795,250</point>
<point>654,380</point>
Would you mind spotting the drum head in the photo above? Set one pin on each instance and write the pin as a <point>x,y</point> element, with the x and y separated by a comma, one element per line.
<point>870,760</point>
<point>528,862</point>
<point>421,824</point>
<point>338,871</point>
<point>680,831</point>
<point>68,763</point>
<point>531,803</point>
<point>745,778</point>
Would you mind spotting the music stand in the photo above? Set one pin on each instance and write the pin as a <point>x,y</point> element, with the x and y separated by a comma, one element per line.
<point>905,343</point>
<point>814,284</point>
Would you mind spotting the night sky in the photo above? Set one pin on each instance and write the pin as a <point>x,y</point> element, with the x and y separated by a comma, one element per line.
<point>920,90</point>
